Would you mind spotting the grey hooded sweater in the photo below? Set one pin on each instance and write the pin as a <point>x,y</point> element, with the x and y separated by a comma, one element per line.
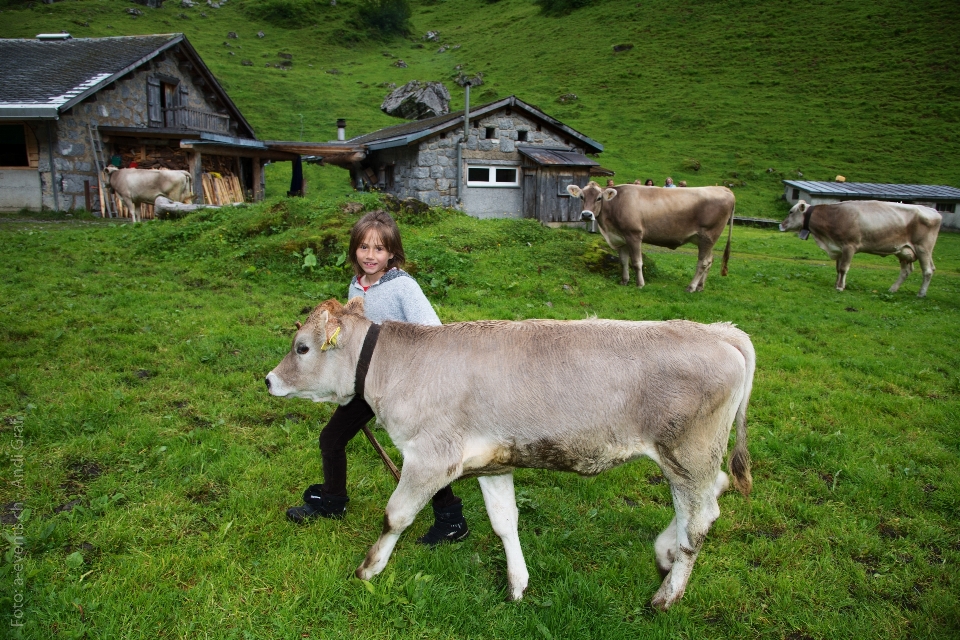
<point>395,296</point>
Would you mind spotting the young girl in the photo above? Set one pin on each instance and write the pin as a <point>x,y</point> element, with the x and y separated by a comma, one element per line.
<point>389,294</point>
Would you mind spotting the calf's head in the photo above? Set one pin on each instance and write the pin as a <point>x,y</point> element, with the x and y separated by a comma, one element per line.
<point>322,361</point>
<point>794,219</point>
<point>593,198</point>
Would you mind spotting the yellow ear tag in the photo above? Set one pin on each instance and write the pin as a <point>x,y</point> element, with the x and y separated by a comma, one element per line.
<point>332,342</point>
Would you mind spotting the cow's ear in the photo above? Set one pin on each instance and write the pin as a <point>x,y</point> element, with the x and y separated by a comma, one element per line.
<point>803,206</point>
<point>329,328</point>
<point>355,305</point>
<point>574,190</point>
<point>609,194</point>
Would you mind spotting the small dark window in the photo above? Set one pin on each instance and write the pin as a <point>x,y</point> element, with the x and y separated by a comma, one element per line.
<point>947,207</point>
<point>507,175</point>
<point>796,194</point>
<point>490,133</point>
<point>521,136</point>
<point>478,174</point>
<point>13,146</point>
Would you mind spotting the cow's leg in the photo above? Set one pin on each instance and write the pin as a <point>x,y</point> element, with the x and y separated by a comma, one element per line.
<point>501,503</point>
<point>128,203</point>
<point>843,265</point>
<point>926,264</point>
<point>634,252</point>
<point>417,485</point>
<point>624,265</point>
<point>665,546</point>
<point>696,509</point>
<point>907,258</point>
<point>704,262</point>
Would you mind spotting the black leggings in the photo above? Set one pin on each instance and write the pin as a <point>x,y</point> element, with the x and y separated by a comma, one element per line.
<point>345,423</point>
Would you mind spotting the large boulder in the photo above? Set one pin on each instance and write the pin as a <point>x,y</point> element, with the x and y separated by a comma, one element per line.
<point>417,100</point>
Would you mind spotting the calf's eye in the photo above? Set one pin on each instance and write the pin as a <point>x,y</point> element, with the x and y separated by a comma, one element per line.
<point>302,349</point>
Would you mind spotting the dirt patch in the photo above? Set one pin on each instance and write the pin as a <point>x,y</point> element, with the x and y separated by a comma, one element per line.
<point>10,512</point>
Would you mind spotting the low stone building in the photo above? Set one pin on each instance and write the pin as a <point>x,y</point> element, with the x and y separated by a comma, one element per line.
<point>944,199</point>
<point>515,161</point>
<point>147,101</point>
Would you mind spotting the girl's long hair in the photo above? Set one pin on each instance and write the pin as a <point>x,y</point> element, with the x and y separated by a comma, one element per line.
<point>383,224</point>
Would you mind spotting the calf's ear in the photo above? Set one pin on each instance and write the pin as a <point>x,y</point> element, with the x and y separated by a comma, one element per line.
<point>574,190</point>
<point>329,328</point>
<point>354,305</point>
<point>609,194</point>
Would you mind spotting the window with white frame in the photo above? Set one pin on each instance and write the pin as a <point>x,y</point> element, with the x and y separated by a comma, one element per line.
<point>492,176</point>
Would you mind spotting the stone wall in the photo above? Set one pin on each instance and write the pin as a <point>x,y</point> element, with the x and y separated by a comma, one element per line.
<point>123,104</point>
<point>429,171</point>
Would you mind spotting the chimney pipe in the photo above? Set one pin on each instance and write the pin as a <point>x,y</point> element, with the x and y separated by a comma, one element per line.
<point>466,112</point>
<point>341,129</point>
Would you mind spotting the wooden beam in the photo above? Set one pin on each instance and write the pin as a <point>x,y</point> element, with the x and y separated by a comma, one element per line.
<point>257,173</point>
<point>196,170</point>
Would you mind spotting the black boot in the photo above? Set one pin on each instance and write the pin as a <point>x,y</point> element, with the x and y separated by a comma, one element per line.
<point>316,504</point>
<point>449,526</point>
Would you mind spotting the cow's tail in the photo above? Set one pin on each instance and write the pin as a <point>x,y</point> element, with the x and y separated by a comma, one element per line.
<point>189,197</point>
<point>726,251</point>
<point>739,463</point>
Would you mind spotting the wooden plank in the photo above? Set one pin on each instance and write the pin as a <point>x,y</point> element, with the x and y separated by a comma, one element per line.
<point>239,189</point>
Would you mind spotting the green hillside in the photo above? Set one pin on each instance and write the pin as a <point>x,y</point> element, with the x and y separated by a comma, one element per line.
<point>749,91</point>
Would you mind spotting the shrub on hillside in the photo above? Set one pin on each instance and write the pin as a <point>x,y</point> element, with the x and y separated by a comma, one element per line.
<point>386,17</point>
<point>285,13</point>
<point>561,7</point>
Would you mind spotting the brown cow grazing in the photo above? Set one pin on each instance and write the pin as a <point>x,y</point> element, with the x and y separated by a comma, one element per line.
<point>483,398</point>
<point>136,186</point>
<point>908,231</point>
<point>629,215</point>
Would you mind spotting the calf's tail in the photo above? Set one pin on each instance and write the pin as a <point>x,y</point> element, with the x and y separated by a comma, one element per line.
<point>739,462</point>
<point>726,251</point>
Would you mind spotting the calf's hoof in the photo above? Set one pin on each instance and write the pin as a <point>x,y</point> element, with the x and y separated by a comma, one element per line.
<point>364,572</point>
<point>514,595</point>
<point>663,599</point>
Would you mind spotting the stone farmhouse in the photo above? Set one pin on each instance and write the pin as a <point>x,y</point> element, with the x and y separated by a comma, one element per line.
<point>515,161</point>
<point>70,105</point>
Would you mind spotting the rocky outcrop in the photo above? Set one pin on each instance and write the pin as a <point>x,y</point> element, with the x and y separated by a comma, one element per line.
<point>417,100</point>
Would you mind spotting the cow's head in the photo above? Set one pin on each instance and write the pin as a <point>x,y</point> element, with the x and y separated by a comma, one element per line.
<point>794,219</point>
<point>322,362</point>
<point>593,198</point>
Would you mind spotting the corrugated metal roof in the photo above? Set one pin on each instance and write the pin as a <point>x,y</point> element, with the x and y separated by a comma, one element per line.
<point>557,157</point>
<point>878,191</point>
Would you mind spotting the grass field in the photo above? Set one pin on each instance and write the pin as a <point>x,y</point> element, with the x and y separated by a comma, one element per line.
<point>156,468</point>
